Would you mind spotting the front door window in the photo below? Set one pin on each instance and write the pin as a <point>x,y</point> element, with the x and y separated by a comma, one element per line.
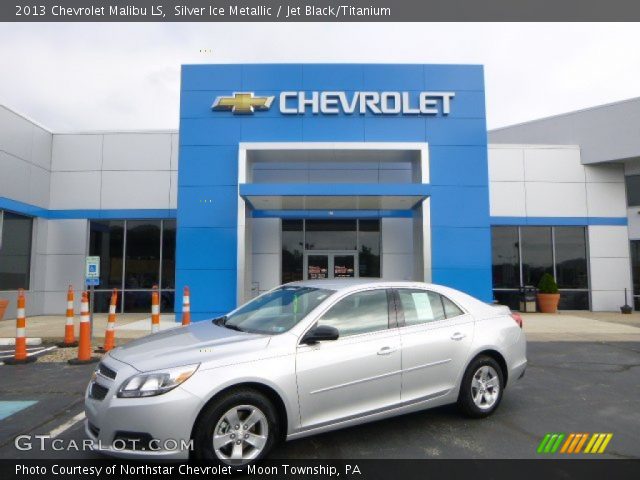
<point>324,266</point>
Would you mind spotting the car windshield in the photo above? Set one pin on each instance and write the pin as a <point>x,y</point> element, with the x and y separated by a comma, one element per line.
<point>276,311</point>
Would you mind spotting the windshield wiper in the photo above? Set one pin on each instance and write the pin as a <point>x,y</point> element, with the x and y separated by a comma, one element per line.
<point>232,327</point>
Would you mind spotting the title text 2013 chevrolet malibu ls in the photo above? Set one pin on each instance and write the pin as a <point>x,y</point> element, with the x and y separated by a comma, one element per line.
<point>304,358</point>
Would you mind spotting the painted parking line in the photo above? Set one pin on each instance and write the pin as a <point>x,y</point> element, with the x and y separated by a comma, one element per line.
<point>8,408</point>
<point>66,425</point>
<point>31,351</point>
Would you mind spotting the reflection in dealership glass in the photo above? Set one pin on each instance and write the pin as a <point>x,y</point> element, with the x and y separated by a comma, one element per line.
<point>304,358</point>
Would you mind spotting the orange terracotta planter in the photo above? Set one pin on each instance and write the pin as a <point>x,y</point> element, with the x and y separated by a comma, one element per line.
<point>548,302</point>
<point>3,307</point>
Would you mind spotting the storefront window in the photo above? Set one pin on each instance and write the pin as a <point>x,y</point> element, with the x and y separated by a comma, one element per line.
<point>292,250</point>
<point>506,257</point>
<point>571,257</point>
<point>330,238</point>
<point>560,251</point>
<point>134,256</point>
<point>106,240</point>
<point>331,235</point>
<point>633,190</point>
<point>537,254</point>
<point>369,248</point>
<point>15,250</point>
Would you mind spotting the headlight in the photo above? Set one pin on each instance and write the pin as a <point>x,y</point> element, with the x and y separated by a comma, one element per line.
<point>156,383</point>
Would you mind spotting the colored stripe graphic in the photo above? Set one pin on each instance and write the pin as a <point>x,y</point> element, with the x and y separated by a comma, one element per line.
<point>573,443</point>
<point>550,443</point>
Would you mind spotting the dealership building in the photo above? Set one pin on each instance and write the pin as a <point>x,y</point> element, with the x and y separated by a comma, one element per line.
<point>293,171</point>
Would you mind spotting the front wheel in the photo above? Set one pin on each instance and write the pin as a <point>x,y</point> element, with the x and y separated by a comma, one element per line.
<point>481,389</point>
<point>239,429</point>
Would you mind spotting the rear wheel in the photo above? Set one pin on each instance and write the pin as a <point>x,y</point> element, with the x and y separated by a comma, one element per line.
<point>481,389</point>
<point>238,429</point>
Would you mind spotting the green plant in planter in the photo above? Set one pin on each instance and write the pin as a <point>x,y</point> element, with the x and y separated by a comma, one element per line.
<point>547,284</point>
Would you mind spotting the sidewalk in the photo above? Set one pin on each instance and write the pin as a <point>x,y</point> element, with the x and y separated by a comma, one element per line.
<point>582,326</point>
<point>51,327</point>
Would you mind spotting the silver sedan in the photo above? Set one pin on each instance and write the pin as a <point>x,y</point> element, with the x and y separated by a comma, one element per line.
<point>304,358</point>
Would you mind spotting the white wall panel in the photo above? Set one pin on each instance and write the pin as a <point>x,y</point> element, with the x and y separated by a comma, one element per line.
<point>556,199</point>
<point>137,151</point>
<point>16,134</point>
<point>67,237</point>
<point>14,179</point>
<point>397,266</point>
<point>75,190</point>
<point>605,173</point>
<point>610,273</point>
<point>175,146</point>
<point>76,152</point>
<point>506,164</point>
<point>64,270</point>
<point>507,199</point>
<point>266,235</point>
<point>135,189</point>
<point>266,270</point>
<point>397,235</point>
<point>41,148</point>
<point>173,190</point>
<point>608,241</point>
<point>39,184</point>
<point>609,301</point>
<point>633,216</point>
<point>553,165</point>
<point>606,199</point>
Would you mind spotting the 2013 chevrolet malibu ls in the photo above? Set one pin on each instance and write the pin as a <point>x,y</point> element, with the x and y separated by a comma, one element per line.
<point>301,359</point>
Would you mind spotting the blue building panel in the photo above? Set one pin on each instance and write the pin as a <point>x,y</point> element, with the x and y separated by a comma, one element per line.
<point>333,77</point>
<point>207,198</point>
<point>199,162</point>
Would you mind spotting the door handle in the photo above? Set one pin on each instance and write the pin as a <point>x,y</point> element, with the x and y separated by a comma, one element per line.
<point>458,336</point>
<point>386,350</point>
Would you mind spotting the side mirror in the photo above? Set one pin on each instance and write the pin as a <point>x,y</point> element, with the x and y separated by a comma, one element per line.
<point>319,334</point>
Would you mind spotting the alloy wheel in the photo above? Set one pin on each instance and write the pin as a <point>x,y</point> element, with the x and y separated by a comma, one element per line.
<point>240,434</point>
<point>485,387</point>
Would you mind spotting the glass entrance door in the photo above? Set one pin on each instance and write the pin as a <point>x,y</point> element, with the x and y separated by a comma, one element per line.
<point>323,266</point>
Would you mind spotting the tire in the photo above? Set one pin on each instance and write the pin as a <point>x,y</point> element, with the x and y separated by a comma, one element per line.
<point>482,387</point>
<point>219,418</point>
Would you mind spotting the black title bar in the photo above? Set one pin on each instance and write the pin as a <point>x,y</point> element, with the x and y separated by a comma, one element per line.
<point>317,10</point>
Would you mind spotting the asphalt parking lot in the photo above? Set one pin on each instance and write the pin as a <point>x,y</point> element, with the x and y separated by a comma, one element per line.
<point>568,387</point>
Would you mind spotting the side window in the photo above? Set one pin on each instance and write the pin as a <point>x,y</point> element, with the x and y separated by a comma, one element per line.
<point>450,308</point>
<point>421,306</point>
<point>360,312</point>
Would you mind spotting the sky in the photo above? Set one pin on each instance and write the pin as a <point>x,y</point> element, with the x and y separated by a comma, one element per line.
<point>125,76</point>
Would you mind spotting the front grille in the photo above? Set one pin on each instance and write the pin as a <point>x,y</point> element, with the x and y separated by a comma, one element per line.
<point>95,431</point>
<point>106,371</point>
<point>97,391</point>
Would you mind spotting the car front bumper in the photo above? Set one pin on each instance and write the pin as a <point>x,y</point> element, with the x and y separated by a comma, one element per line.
<point>115,425</point>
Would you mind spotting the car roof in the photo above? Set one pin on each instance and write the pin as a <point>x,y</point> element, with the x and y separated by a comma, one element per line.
<point>354,283</point>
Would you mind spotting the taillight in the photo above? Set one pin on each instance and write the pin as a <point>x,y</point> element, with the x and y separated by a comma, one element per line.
<point>517,317</point>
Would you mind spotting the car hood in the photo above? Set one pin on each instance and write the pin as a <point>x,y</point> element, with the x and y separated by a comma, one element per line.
<point>202,342</point>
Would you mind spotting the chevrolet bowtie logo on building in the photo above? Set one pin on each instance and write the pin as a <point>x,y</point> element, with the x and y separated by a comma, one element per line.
<point>242,103</point>
<point>347,103</point>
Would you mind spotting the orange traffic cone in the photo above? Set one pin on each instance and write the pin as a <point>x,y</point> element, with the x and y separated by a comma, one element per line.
<point>186,307</point>
<point>155,310</point>
<point>84,346</point>
<point>110,334</point>
<point>20,356</point>
<point>69,334</point>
